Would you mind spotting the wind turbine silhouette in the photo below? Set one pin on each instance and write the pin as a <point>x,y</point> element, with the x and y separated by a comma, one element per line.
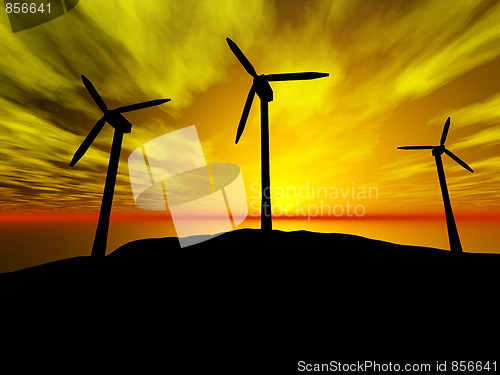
<point>122,125</point>
<point>261,87</point>
<point>437,151</point>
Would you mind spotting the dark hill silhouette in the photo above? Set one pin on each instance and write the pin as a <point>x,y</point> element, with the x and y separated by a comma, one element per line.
<point>289,255</point>
<point>306,291</point>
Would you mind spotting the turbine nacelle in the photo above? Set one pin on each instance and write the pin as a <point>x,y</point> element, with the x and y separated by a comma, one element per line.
<point>438,150</point>
<point>263,88</point>
<point>117,121</point>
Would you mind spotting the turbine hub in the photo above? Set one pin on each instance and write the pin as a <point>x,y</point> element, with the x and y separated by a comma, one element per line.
<point>438,150</point>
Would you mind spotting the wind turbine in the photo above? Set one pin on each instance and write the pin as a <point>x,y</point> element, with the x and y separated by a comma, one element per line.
<point>437,151</point>
<point>114,118</point>
<point>262,88</point>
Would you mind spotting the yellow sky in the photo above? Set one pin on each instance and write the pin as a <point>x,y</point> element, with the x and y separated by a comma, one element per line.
<point>397,70</point>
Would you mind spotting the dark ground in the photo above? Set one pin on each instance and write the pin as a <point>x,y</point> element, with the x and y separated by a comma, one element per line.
<point>255,302</point>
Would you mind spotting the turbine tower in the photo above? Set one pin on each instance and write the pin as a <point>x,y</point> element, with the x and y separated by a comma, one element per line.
<point>437,151</point>
<point>122,125</point>
<point>262,88</point>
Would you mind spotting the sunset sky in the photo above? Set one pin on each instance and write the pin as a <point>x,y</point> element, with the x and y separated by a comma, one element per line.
<point>397,70</point>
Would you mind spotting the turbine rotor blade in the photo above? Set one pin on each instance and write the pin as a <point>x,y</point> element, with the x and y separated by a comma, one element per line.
<point>241,58</point>
<point>458,160</point>
<point>246,111</point>
<point>94,94</point>
<point>416,147</point>
<point>88,141</point>
<point>445,131</point>
<point>135,107</point>
<point>295,76</point>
